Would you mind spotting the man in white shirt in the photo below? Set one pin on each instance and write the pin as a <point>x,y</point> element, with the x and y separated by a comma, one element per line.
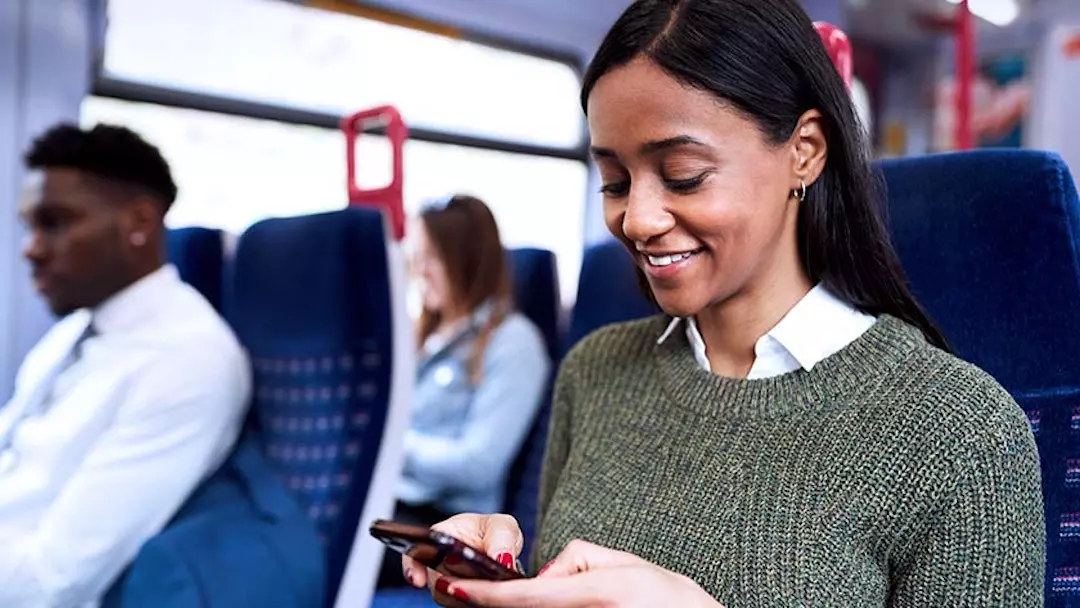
<point>131,400</point>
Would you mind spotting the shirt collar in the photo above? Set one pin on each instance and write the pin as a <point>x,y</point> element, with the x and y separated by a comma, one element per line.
<point>135,304</point>
<point>819,325</point>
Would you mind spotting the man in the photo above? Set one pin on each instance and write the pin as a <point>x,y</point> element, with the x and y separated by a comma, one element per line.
<point>131,400</point>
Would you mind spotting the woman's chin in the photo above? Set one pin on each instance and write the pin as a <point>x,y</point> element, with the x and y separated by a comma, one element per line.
<point>675,306</point>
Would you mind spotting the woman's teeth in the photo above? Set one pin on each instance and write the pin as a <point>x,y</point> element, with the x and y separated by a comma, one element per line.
<point>667,260</point>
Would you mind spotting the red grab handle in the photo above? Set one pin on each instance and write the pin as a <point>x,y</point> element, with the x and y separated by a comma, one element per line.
<point>391,196</point>
<point>839,47</point>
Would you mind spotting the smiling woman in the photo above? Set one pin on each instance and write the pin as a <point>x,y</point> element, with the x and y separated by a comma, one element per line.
<point>807,439</point>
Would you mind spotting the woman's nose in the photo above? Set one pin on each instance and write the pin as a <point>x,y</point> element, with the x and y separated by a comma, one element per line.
<point>646,216</point>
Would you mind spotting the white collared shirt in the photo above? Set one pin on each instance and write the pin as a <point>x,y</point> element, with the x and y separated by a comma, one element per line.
<point>151,405</point>
<point>818,326</point>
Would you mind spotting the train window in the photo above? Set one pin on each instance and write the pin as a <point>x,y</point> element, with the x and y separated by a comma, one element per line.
<point>289,55</point>
<point>233,171</point>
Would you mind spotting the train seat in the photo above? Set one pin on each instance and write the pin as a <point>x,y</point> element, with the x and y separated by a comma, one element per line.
<point>198,254</point>
<point>608,291</point>
<point>536,290</point>
<point>318,301</point>
<point>536,293</point>
<point>990,241</point>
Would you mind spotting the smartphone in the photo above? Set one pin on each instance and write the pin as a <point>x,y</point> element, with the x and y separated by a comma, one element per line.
<point>441,552</point>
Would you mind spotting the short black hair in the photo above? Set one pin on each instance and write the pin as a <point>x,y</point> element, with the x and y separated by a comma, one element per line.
<point>107,151</point>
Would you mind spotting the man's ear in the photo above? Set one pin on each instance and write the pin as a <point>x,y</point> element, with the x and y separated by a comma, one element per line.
<point>142,218</point>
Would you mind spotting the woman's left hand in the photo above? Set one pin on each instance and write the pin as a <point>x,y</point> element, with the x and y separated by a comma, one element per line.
<point>588,575</point>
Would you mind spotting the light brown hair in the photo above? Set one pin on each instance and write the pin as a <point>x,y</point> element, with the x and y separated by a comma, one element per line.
<point>465,236</point>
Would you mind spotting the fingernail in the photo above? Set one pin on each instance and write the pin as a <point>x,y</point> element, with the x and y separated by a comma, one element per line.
<point>461,595</point>
<point>545,568</point>
<point>505,560</point>
<point>442,586</point>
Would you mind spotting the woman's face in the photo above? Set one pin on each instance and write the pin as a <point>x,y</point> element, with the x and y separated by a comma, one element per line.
<point>692,188</point>
<point>430,272</point>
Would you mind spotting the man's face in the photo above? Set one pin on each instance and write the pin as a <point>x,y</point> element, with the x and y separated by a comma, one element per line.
<point>77,250</point>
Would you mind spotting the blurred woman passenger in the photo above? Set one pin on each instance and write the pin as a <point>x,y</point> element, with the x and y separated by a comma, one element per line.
<point>481,374</point>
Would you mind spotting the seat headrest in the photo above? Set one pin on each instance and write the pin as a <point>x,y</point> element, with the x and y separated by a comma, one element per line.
<point>608,291</point>
<point>199,256</point>
<point>536,292</point>
<point>989,241</point>
<point>310,284</point>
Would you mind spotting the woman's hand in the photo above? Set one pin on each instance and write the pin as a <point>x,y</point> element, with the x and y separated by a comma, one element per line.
<point>497,535</point>
<point>586,575</point>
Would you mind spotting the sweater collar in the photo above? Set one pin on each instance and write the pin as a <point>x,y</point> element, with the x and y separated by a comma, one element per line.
<point>885,345</point>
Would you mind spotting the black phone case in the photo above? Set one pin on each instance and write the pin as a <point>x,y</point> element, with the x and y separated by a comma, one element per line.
<point>441,552</point>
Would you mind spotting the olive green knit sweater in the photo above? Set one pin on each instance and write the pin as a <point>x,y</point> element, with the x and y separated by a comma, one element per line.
<point>892,474</point>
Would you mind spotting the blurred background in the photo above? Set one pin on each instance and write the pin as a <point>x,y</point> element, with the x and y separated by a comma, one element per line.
<point>489,88</point>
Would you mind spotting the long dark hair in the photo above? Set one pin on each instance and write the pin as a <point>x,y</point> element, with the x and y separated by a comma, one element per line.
<point>465,236</point>
<point>765,58</point>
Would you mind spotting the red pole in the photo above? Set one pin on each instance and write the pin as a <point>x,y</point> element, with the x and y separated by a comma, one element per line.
<point>965,76</point>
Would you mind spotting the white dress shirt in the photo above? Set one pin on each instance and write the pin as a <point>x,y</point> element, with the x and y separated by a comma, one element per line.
<point>819,325</point>
<point>96,460</point>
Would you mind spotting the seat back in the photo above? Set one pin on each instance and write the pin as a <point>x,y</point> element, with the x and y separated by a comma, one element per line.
<point>990,241</point>
<point>198,255</point>
<point>314,301</point>
<point>536,292</point>
<point>608,291</point>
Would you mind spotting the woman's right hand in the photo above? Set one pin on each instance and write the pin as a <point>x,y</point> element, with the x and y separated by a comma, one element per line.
<point>499,536</point>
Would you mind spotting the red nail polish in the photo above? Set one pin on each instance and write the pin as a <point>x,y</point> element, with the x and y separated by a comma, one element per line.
<point>461,595</point>
<point>442,586</point>
<point>545,568</point>
<point>506,560</point>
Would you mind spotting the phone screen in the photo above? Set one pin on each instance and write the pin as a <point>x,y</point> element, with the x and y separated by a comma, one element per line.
<point>441,552</point>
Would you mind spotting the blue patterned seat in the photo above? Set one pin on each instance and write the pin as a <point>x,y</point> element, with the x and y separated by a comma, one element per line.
<point>198,255</point>
<point>310,298</point>
<point>991,244</point>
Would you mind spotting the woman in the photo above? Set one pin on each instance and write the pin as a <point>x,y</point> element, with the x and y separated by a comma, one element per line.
<point>481,375</point>
<point>793,432</point>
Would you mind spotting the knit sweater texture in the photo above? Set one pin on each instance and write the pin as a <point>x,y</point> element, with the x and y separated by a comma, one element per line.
<point>891,474</point>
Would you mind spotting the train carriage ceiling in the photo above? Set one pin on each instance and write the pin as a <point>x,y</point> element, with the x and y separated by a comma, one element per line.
<point>576,26</point>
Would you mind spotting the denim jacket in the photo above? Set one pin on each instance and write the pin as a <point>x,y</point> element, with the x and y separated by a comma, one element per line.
<point>463,438</point>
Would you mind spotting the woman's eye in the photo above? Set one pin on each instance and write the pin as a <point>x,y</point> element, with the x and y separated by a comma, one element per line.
<point>616,189</point>
<point>686,185</point>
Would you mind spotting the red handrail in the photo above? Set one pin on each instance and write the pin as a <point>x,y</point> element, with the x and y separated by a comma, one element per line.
<point>965,76</point>
<point>390,197</point>
<point>839,48</point>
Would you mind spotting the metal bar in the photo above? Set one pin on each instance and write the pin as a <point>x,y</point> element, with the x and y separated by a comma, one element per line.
<point>138,92</point>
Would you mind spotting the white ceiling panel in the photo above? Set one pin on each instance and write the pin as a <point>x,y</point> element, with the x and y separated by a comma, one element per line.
<point>575,26</point>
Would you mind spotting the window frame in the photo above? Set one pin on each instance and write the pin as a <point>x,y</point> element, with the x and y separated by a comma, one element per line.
<point>104,85</point>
